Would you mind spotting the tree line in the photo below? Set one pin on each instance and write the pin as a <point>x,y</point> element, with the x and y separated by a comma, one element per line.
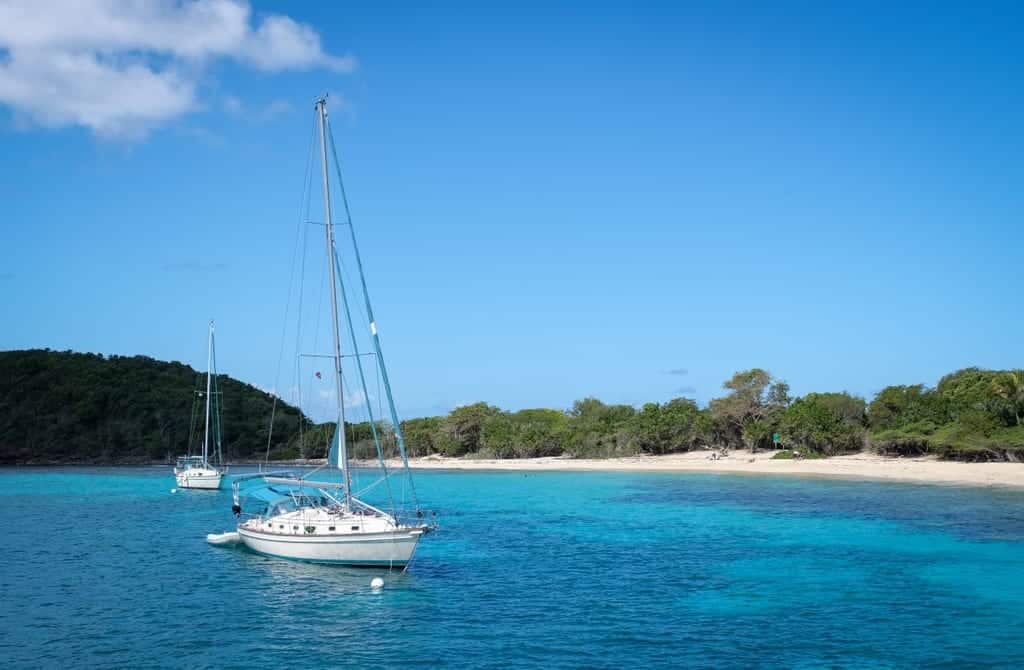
<point>65,407</point>
<point>972,414</point>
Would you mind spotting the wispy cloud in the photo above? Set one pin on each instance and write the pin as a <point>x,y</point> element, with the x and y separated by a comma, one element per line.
<point>122,67</point>
<point>260,113</point>
<point>679,372</point>
<point>686,390</point>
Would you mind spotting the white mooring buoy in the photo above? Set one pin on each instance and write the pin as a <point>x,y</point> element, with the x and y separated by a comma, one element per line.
<point>174,490</point>
<point>376,583</point>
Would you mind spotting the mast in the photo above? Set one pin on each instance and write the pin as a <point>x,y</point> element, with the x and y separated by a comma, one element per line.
<point>395,423</point>
<point>321,108</point>
<point>209,363</point>
<point>216,400</point>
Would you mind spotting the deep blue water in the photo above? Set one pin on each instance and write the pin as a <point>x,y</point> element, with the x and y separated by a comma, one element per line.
<point>105,567</point>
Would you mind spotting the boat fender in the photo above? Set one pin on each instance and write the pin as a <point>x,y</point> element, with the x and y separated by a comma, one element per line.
<point>236,509</point>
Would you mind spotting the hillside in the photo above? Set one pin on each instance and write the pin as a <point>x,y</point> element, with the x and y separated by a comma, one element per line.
<point>65,407</point>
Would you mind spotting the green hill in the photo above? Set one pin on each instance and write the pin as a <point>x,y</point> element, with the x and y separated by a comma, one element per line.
<point>65,407</point>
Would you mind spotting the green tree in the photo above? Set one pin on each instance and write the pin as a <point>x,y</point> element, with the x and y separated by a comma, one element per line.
<point>540,432</point>
<point>464,426</point>
<point>422,435</point>
<point>528,433</point>
<point>1009,386</point>
<point>827,423</point>
<point>901,406</point>
<point>498,436</point>
<point>599,430</point>
<point>662,429</point>
<point>751,410</point>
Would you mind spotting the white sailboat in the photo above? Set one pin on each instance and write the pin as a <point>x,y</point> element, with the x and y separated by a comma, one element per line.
<point>194,471</point>
<point>323,521</point>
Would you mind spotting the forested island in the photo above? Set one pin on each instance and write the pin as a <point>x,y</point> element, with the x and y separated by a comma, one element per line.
<point>66,407</point>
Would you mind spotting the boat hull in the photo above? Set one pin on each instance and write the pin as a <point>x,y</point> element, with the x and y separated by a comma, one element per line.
<point>388,549</point>
<point>188,480</point>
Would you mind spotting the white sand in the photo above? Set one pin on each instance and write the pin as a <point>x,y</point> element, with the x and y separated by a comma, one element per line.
<point>863,466</point>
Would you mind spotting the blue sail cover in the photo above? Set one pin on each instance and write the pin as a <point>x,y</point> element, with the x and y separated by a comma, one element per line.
<point>332,453</point>
<point>272,495</point>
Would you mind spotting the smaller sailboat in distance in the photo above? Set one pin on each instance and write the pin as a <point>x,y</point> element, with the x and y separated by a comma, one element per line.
<point>194,471</point>
<point>324,520</point>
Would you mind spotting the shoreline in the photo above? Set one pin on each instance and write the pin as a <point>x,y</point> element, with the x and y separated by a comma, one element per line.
<point>922,470</point>
<point>862,466</point>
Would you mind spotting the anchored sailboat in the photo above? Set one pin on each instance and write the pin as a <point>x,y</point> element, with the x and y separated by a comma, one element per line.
<point>196,472</point>
<point>289,516</point>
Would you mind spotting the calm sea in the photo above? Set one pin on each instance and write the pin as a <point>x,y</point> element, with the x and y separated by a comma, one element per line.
<point>105,567</point>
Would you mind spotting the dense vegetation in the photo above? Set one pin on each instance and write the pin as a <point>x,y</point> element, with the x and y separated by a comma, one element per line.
<point>64,407</point>
<point>972,414</point>
<point>67,407</point>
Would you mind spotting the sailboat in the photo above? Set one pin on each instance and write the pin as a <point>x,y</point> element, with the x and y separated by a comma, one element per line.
<point>321,519</point>
<point>194,471</point>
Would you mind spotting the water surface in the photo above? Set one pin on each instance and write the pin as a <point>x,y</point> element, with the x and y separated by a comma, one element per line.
<point>106,567</point>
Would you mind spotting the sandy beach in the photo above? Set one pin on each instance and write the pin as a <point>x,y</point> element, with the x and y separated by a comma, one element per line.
<point>859,466</point>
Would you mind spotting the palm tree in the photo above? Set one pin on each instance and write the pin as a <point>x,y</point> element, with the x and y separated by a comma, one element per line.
<point>1010,386</point>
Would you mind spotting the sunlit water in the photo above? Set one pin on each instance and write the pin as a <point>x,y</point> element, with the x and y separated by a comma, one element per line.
<point>107,567</point>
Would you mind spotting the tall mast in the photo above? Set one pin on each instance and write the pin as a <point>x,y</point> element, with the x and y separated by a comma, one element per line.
<point>321,107</point>
<point>215,399</point>
<point>209,364</point>
<point>395,423</point>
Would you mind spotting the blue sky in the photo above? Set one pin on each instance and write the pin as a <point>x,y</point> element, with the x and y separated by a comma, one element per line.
<point>552,201</point>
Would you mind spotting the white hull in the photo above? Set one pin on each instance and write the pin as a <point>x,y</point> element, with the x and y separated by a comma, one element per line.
<point>193,480</point>
<point>391,549</point>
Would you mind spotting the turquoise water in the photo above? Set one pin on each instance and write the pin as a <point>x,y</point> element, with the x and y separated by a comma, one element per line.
<point>108,568</point>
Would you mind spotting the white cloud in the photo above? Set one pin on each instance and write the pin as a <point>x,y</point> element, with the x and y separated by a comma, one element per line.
<point>258,114</point>
<point>281,43</point>
<point>60,89</point>
<point>121,67</point>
